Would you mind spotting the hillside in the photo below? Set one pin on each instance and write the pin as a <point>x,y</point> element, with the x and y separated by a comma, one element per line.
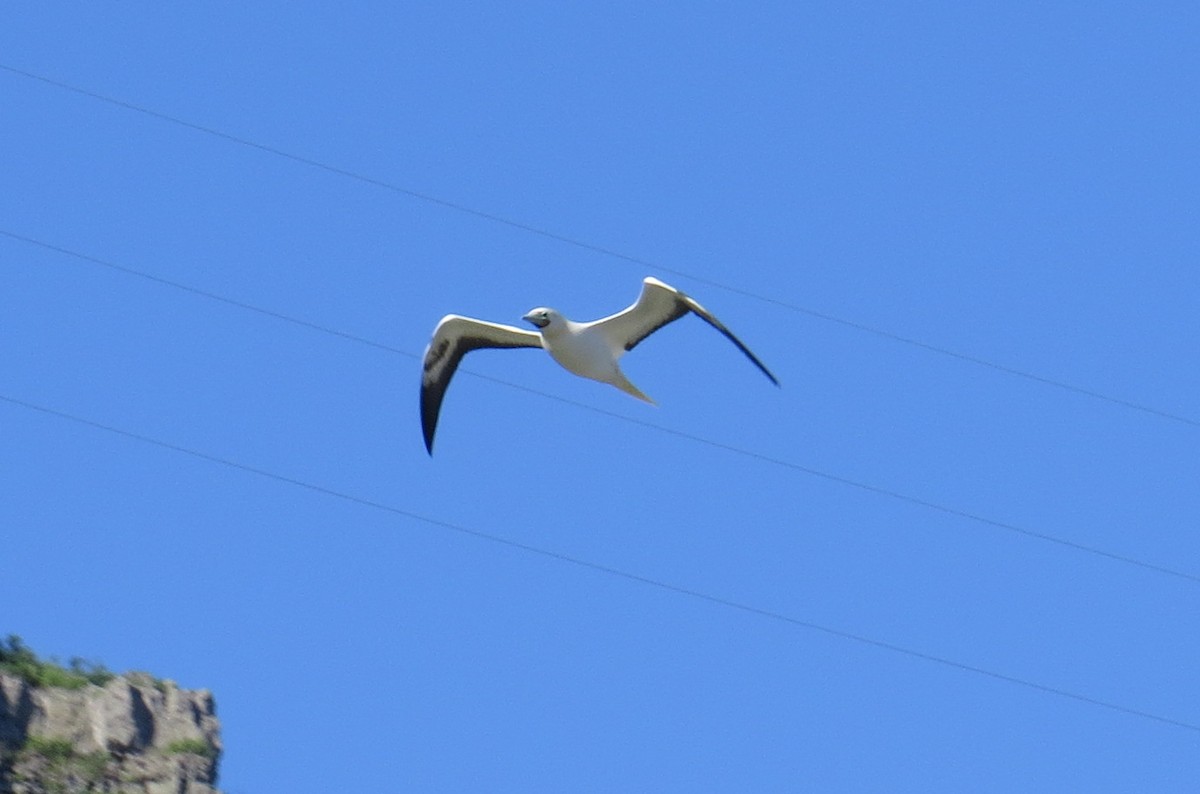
<point>81,728</point>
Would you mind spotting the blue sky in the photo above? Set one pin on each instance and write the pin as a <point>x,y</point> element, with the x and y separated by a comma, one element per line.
<point>1016,184</point>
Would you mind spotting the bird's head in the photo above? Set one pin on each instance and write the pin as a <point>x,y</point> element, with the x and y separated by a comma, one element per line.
<point>543,319</point>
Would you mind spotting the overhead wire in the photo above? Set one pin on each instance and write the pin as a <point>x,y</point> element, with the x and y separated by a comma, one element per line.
<point>603,250</point>
<point>779,462</point>
<point>600,567</point>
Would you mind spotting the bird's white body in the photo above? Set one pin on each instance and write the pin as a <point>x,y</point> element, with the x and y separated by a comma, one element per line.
<point>584,349</point>
<point>590,350</point>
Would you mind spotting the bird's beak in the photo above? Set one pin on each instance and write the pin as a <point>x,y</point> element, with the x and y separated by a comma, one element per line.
<point>532,320</point>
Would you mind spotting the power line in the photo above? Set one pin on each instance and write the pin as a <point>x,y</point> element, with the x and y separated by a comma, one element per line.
<point>875,489</point>
<point>599,249</point>
<point>600,567</point>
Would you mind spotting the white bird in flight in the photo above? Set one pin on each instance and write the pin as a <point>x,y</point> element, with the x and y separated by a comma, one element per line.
<point>591,350</point>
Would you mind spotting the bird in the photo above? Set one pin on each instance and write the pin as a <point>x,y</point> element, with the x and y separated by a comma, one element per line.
<point>590,350</point>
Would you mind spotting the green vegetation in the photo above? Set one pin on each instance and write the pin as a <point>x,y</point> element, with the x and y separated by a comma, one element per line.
<point>18,659</point>
<point>52,748</point>
<point>141,678</point>
<point>193,746</point>
<point>63,768</point>
<point>92,766</point>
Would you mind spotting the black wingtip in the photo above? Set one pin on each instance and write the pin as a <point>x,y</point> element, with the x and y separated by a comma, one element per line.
<point>770,376</point>
<point>430,403</point>
<point>753,358</point>
<point>427,429</point>
<point>766,371</point>
<point>707,316</point>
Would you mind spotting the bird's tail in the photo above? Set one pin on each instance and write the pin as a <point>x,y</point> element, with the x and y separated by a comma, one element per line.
<point>622,383</point>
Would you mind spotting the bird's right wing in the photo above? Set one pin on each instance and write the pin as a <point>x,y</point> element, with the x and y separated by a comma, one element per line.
<point>658,305</point>
<point>454,337</point>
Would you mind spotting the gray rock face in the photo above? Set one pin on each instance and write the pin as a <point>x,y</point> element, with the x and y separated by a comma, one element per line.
<point>133,734</point>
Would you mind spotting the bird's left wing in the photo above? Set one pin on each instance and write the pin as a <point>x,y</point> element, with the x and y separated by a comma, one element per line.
<point>454,337</point>
<point>658,305</point>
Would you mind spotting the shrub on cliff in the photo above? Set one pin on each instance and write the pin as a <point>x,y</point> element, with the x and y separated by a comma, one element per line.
<point>18,659</point>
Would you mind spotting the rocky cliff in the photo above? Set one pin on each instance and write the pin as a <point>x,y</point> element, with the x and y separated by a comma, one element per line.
<point>133,734</point>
